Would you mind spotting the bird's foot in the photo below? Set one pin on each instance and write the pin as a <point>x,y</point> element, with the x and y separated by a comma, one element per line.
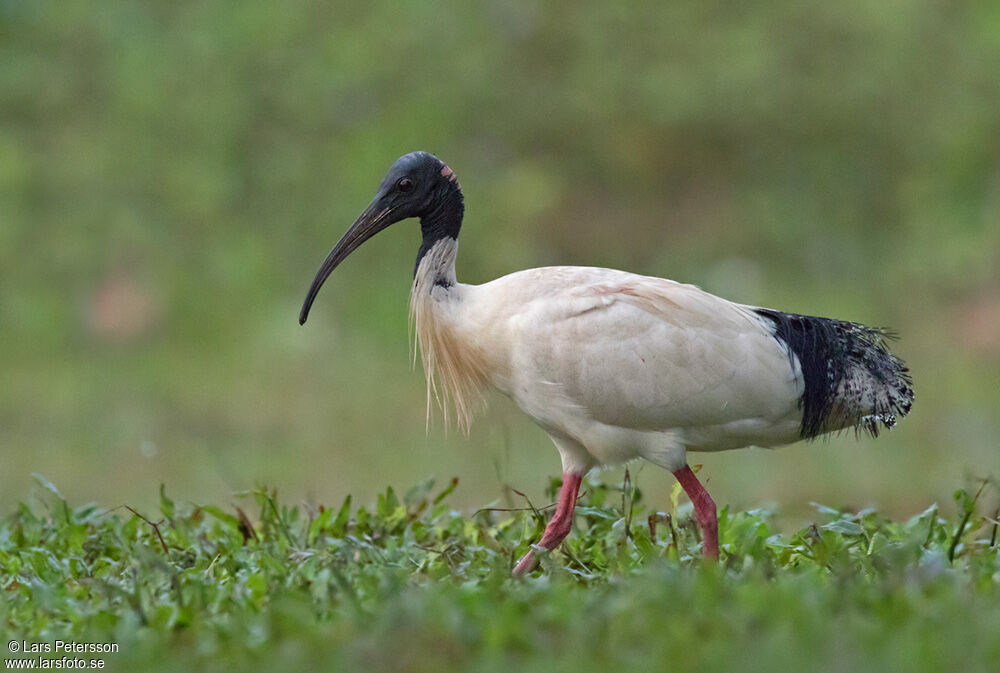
<point>704,510</point>
<point>558,527</point>
<point>711,551</point>
<point>525,565</point>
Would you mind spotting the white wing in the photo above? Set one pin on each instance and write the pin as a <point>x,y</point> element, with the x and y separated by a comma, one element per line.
<point>640,352</point>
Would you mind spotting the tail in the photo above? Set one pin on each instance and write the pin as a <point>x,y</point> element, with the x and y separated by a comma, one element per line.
<point>851,379</point>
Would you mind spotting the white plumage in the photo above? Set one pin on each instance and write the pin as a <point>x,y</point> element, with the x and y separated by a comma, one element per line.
<point>615,366</point>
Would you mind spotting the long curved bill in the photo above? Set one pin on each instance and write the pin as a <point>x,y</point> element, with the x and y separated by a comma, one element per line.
<point>369,223</point>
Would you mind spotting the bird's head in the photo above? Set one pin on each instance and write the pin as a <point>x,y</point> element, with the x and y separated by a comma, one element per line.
<point>418,184</point>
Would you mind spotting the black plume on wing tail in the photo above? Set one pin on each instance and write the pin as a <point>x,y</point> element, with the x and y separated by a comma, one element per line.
<point>850,377</point>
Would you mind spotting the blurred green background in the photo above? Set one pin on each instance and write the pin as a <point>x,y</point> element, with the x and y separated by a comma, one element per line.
<point>172,175</point>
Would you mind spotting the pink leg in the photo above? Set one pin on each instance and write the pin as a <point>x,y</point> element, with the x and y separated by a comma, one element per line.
<point>560,524</point>
<point>704,511</point>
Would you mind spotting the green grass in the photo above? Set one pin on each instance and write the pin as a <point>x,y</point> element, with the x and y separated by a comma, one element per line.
<point>410,584</point>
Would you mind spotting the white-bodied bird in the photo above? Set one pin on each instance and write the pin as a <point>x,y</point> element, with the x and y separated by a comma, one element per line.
<point>616,366</point>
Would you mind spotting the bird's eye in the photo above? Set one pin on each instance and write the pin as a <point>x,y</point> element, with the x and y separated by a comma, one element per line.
<point>404,184</point>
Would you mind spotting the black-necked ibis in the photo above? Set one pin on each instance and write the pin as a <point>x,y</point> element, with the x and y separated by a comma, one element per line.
<point>616,366</point>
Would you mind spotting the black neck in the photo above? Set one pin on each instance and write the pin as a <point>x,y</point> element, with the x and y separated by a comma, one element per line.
<point>443,219</point>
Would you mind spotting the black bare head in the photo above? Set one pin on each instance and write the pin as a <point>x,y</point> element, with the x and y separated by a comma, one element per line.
<point>418,184</point>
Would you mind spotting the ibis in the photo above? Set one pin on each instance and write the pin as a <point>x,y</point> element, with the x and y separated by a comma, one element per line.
<point>616,366</point>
